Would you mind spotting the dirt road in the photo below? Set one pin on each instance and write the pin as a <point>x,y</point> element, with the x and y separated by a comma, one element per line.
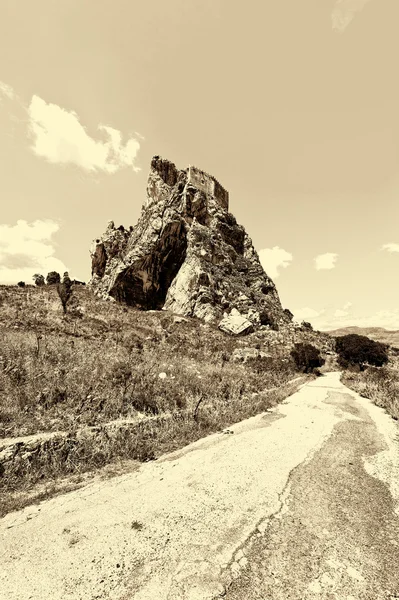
<point>300,503</point>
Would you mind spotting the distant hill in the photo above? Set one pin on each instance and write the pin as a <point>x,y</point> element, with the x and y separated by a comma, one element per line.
<point>375,333</point>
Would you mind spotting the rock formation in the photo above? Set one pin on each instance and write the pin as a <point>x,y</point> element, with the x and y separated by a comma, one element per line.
<point>187,254</point>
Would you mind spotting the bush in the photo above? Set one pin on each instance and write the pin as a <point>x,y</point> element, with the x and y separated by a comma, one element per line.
<point>53,278</point>
<point>307,357</point>
<point>38,279</point>
<point>21,284</point>
<point>64,291</point>
<point>354,349</point>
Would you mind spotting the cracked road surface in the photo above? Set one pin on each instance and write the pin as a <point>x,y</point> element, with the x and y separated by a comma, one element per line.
<point>299,503</point>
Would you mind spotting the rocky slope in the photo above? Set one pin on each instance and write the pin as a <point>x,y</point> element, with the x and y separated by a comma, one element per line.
<point>187,254</point>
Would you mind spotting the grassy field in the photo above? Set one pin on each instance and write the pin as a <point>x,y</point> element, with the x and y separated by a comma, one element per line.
<point>112,383</point>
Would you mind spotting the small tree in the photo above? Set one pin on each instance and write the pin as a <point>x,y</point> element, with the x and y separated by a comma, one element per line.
<point>64,290</point>
<point>53,278</point>
<point>38,279</point>
<point>354,349</point>
<point>307,357</point>
<point>21,284</point>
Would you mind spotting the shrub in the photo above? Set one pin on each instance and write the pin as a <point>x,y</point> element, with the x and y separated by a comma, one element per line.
<point>306,325</point>
<point>53,278</point>
<point>354,349</point>
<point>64,291</point>
<point>307,357</point>
<point>38,279</point>
<point>21,284</point>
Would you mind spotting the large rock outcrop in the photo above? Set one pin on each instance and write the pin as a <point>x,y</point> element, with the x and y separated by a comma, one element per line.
<point>186,254</point>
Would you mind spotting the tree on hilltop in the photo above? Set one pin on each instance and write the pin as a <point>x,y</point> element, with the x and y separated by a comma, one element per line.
<point>38,279</point>
<point>53,278</point>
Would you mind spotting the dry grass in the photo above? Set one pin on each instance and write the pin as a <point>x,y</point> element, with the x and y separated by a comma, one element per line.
<point>77,373</point>
<point>381,385</point>
<point>57,374</point>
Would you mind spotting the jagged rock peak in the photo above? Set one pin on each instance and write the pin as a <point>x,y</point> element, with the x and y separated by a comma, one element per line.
<point>186,254</point>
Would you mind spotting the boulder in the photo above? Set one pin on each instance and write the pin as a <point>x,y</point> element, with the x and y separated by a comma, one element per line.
<point>236,325</point>
<point>245,354</point>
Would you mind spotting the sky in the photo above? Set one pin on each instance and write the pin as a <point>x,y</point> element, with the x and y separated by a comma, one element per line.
<point>292,105</point>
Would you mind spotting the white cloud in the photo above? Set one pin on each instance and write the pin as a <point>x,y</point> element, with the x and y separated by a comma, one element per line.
<point>325,261</point>
<point>273,259</point>
<point>6,90</point>
<point>344,12</point>
<point>306,313</point>
<point>344,311</point>
<point>27,248</point>
<point>60,138</point>
<point>390,247</point>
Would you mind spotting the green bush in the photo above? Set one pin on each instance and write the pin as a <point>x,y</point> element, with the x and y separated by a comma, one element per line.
<point>354,349</point>
<point>307,357</point>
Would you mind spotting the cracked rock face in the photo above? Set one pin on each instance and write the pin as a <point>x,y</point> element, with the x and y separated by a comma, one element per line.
<point>186,254</point>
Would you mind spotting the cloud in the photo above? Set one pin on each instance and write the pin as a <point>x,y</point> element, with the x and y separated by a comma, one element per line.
<point>27,248</point>
<point>304,314</point>
<point>344,311</point>
<point>273,259</point>
<point>390,247</point>
<point>325,261</point>
<point>6,90</point>
<point>60,138</point>
<point>344,12</point>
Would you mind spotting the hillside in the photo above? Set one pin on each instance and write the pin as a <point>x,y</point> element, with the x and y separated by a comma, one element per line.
<point>108,381</point>
<point>378,334</point>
